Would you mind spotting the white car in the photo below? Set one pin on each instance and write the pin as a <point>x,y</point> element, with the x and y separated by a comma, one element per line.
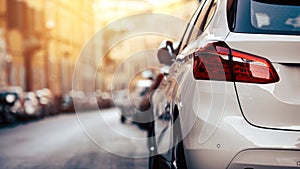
<point>233,89</point>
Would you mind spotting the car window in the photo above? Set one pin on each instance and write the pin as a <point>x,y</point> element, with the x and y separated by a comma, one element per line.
<point>210,14</point>
<point>286,17</point>
<point>258,16</point>
<point>196,31</point>
<point>200,21</point>
<point>204,18</point>
<point>191,25</point>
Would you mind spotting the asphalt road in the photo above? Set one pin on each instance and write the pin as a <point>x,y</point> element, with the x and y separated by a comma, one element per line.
<point>94,140</point>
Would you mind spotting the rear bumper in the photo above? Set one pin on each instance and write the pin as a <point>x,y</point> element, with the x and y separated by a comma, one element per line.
<point>238,145</point>
<point>266,159</point>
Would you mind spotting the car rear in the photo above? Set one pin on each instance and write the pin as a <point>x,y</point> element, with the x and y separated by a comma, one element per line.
<point>274,36</point>
<point>265,44</point>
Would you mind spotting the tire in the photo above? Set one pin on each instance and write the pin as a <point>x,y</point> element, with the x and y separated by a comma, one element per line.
<point>152,160</point>
<point>158,161</point>
<point>178,150</point>
<point>180,157</point>
<point>155,161</point>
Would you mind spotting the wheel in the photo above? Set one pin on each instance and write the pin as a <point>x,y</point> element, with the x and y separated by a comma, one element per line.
<point>177,152</point>
<point>178,156</point>
<point>158,162</point>
<point>155,161</point>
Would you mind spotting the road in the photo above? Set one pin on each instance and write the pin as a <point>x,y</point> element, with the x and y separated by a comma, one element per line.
<point>86,140</point>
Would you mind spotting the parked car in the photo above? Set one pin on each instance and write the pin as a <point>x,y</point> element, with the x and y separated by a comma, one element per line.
<point>11,100</point>
<point>80,100</point>
<point>104,99</point>
<point>129,101</point>
<point>143,116</point>
<point>32,107</point>
<point>67,104</point>
<point>121,100</point>
<point>233,89</point>
<point>46,101</point>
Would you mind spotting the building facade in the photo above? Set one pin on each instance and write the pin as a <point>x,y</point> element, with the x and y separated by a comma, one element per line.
<point>40,42</point>
<point>120,62</point>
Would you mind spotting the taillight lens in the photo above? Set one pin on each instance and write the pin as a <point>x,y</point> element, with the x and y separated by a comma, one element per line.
<point>218,62</point>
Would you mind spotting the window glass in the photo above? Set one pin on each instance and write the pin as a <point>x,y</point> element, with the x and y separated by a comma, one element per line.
<point>203,19</point>
<point>191,25</point>
<point>197,26</point>
<point>211,13</point>
<point>267,17</point>
<point>286,17</point>
<point>199,21</point>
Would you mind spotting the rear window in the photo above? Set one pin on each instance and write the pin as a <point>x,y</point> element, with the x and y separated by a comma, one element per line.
<point>267,16</point>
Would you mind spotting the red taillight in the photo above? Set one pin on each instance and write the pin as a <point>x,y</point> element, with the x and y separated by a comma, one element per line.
<point>218,62</point>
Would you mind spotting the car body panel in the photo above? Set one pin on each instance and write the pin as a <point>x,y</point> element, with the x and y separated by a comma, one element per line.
<point>272,159</point>
<point>276,48</point>
<point>212,113</point>
<point>275,105</point>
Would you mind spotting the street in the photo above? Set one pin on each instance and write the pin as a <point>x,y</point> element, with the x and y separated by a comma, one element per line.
<point>75,141</point>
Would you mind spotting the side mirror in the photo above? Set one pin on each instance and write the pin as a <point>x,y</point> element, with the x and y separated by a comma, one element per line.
<point>166,53</point>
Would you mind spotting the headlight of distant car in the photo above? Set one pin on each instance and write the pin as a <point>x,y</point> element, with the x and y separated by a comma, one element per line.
<point>10,98</point>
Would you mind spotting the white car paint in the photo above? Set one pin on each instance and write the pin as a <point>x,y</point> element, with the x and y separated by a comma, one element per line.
<point>258,127</point>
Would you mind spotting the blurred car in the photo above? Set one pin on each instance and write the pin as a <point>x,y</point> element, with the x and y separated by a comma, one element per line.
<point>32,107</point>
<point>80,100</point>
<point>67,103</point>
<point>121,101</point>
<point>83,101</point>
<point>46,100</point>
<point>233,89</point>
<point>128,101</point>
<point>143,116</point>
<point>11,99</point>
<point>104,99</point>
